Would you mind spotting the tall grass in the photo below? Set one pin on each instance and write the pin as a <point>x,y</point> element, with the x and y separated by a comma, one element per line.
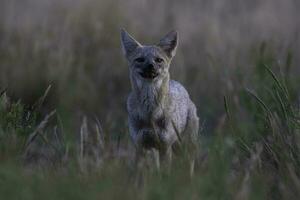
<point>254,154</point>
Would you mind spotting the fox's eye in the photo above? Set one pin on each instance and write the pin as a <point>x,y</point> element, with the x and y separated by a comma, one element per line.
<point>158,60</point>
<point>140,60</point>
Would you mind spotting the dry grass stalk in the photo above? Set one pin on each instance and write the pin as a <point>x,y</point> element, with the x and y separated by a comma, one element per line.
<point>39,129</point>
<point>91,144</point>
<point>41,100</point>
<point>83,138</point>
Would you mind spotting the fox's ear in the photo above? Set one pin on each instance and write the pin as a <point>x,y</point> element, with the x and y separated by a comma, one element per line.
<point>129,44</point>
<point>169,43</point>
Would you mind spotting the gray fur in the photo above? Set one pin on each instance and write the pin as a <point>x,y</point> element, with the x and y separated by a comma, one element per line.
<point>160,111</point>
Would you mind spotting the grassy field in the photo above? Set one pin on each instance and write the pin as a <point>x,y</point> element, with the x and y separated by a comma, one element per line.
<point>64,83</point>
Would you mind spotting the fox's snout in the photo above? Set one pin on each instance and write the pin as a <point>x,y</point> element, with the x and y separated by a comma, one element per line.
<point>150,67</point>
<point>149,71</point>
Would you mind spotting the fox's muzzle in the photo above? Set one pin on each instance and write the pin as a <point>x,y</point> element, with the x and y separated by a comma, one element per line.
<point>149,72</point>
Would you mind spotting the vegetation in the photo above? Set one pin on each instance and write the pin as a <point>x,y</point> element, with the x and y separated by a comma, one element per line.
<point>64,83</point>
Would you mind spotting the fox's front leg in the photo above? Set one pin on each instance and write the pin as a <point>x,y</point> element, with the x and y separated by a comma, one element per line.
<point>165,156</point>
<point>146,149</point>
<point>167,138</point>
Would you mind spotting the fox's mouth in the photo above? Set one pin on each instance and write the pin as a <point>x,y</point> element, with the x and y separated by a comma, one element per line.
<point>149,75</point>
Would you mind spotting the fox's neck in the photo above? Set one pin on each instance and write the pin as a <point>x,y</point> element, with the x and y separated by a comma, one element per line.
<point>151,95</point>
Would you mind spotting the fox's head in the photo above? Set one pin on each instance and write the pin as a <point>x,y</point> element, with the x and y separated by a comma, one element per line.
<point>149,62</point>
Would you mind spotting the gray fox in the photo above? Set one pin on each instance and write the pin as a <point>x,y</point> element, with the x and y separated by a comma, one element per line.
<point>160,111</point>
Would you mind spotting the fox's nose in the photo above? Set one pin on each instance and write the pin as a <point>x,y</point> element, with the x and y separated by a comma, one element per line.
<point>150,67</point>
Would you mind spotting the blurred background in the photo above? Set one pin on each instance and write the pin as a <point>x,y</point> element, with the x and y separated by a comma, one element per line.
<point>74,45</point>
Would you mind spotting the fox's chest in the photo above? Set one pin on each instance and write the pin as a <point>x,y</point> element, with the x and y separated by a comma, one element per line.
<point>153,112</point>
<point>159,122</point>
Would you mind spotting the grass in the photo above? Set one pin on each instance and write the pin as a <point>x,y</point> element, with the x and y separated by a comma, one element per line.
<point>256,158</point>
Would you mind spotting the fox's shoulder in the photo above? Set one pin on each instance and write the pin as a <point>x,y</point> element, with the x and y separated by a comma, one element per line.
<point>177,90</point>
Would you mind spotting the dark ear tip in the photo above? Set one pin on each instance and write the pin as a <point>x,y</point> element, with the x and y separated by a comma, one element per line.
<point>173,33</point>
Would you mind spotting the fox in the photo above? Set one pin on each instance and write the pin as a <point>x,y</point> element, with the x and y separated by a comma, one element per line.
<point>160,112</point>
